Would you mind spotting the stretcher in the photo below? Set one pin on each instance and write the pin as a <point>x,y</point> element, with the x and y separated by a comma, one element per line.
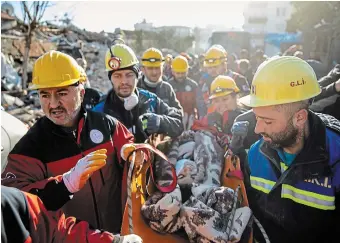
<point>141,188</point>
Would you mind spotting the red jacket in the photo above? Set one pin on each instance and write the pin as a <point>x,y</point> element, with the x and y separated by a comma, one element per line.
<point>186,94</point>
<point>39,159</point>
<point>25,219</point>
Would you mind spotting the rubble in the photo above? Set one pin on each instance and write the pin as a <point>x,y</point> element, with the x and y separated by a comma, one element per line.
<point>28,114</point>
<point>9,102</point>
<point>25,104</point>
<point>22,106</point>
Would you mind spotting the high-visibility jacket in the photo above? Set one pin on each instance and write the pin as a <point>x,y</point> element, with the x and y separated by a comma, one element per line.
<point>299,203</point>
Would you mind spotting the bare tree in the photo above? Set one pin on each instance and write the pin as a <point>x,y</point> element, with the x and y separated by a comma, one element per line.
<point>32,16</point>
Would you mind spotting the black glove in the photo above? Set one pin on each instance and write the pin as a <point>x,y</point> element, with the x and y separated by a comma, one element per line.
<point>239,132</point>
<point>153,122</point>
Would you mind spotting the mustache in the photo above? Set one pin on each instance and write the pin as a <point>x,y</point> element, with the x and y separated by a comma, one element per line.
<point>125,86</point>
<point>59,108</point>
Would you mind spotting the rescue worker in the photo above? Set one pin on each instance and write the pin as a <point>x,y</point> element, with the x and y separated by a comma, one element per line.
<point>199,71</point>
<point>130,104</point>
<point>232,62</point>
<point>167,66</point>
<point>250,137</point>
<point>245,70</point>
<point>224,99</point>
<point>151,79</point>
<point>185,89</point>
<point>55,158</point>
<point>257,59</point>
<point>26,219</point>
<point>293,173</point>
<point>244,54</point>
<point>215,63</point>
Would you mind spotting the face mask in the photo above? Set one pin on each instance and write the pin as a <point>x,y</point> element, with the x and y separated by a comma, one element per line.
<point>130,102</point>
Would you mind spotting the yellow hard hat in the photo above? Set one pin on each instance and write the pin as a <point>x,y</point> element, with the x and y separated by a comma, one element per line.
<point>222,86</point>
<point>214,57</point>
<point>56,69</point>
<point>119,56</point>
<point>180,64</point>
<point>282,80</point>
<point>152,57</point>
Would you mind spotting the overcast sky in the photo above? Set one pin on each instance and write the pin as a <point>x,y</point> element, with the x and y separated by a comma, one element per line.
<point>104,15</point>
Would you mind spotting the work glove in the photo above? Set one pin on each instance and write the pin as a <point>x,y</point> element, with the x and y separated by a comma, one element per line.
<point>128,239</point>
<point>76,178</point>
<point>239,132</point>
<point>153,122</point>
<point>126,151</point>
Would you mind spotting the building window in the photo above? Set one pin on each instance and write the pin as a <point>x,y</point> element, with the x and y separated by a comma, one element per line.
<point>257,20</point>
<point>280,12</point>
<point>283,12</point>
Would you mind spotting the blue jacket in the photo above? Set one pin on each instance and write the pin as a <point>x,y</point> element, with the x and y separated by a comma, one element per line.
<point>171,118</point>
<point>299,203</point>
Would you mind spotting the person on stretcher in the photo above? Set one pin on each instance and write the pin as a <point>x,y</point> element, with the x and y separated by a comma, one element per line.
<point>201,204</point>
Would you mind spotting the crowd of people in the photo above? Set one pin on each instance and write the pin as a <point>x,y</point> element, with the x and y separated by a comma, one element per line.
<point>66,179</point>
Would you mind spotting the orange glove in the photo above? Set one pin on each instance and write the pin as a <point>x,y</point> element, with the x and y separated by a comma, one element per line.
<point>76,178</point>
<point>127,149</point>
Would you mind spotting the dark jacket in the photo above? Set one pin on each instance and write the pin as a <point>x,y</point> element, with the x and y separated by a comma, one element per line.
<point>251,137</point>
<point>299,203</point>
<point>171,122</point>
<point>328,101</point>
<point>39,159</point>
<point>185,93</point>
<point>231,119</point>
<point>331,77</point>
<point>163,90</point>
<point>24,219</point>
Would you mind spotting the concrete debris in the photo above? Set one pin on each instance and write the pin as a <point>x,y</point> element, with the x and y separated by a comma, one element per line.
<point>79,43</point>
<point>9,102</point>
<point>27,114</point>
<point>88,48</point>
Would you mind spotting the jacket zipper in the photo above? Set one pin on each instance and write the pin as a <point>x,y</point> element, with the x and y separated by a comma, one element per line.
<point>91,184</point>
<point>78,143</point>
<point>284,174</point>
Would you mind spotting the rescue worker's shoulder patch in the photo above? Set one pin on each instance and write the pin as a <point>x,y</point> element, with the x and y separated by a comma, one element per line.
<point>188,88</point>
<point>96,136</point>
